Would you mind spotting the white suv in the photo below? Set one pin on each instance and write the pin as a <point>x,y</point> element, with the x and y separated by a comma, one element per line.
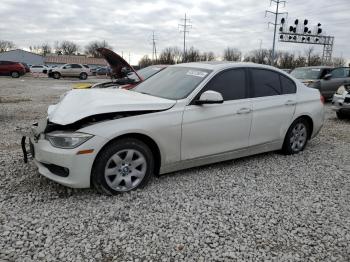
<point>70,70</point>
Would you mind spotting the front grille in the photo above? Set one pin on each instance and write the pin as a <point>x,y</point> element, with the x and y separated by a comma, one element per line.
<point>57,170</point>
<point>347,100</point>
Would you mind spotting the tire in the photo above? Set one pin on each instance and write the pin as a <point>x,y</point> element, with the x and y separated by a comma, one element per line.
<point>83,76</point>
<point>296,137</point>
<point>123,165</point>
<point>56,75</point>
<point>340,115</point>
<point>15,74</point>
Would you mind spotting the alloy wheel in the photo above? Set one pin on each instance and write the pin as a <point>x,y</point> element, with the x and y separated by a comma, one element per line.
<point>125,170</point>
<point>298,137</point>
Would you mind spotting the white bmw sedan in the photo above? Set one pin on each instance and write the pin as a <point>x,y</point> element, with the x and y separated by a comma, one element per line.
<point>185,116</point>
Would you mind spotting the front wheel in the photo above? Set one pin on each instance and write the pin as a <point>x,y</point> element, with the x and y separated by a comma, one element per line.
<point>296,137</point>
<point>122,166</point>
<point>56,75</point>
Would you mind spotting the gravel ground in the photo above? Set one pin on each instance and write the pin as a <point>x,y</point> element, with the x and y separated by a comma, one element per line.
<point>264,207</point>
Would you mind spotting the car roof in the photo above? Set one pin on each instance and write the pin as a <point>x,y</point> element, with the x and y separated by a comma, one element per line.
<point>218,65</point>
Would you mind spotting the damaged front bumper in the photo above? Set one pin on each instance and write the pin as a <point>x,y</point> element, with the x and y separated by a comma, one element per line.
<point>64,166</point>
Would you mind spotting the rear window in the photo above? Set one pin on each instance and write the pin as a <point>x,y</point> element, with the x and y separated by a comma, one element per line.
<point>288,86</point>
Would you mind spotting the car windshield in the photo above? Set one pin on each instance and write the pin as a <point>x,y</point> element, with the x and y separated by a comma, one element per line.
<point>173,82</point>
<point>306,73</point>
<point>148,71</point>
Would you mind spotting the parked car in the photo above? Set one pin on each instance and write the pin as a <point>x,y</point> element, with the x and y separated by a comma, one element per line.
<point>13,69</point>
<point>39,69</point>
<point>26,67</point>
<point>325,79</point>
<point>70,70</point>
<point>341,102</point>
<point>104,70</point>
<point>187,115</point>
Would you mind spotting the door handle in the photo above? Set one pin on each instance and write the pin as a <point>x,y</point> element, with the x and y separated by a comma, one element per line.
<point>290,103</point>
<point>244,110</point>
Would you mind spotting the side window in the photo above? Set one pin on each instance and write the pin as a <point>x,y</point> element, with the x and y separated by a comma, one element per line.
<point>230,84</point>
<point>76,66</point>
<point>339,73</point>
<point>288,86</point>
<point>265,83</point>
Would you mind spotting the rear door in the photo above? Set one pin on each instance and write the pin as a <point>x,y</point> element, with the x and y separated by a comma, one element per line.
<point>211,129</point>
<point>340,76</point>
<point>76,69</point>
<point>273,102</point>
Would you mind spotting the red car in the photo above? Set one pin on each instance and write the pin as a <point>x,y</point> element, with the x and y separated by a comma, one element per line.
<point>14,69</point>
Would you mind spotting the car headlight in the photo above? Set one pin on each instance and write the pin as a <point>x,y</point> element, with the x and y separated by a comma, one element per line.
<point>67,140</point>
<point>341,90</point>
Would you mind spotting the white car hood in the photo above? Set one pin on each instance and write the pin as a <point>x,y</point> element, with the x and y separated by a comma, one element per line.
<point>78,104</point>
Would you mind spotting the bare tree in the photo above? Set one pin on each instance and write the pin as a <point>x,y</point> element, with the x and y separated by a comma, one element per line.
<point>311,58</point>
<point>259,56</point>
<point>145,61</point>
<point>42,49</point>
<point>207,56</point>
<point>192,55</point>
<point>232,54</point>
<point>66,48</point>
<point>90,49</point>
<point>338,62</point>
<point>285,60</point>
<point>170,55</point>
<point>300,61</point>
<point>46,49</point>
<point>58,49</point>
<point>6,45</point>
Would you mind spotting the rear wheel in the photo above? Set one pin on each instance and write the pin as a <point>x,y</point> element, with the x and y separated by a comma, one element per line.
<point>122,166</point>
<point>56,75</point>
<point>15,74</point>
<point>296,137</point>
<point>83,76</point>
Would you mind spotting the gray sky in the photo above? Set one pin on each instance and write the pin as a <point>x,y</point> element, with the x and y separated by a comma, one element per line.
<point>128,25</point>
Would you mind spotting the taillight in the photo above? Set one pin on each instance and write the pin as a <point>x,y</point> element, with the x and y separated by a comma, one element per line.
<point>323,100</point>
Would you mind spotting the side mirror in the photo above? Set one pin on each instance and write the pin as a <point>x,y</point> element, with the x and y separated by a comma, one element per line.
<point>64,67</point>
<point>210,97</point>
<point>327,76</point>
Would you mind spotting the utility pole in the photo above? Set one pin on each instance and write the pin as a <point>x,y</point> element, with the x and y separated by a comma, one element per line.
<point>154,48</point>
<point>184,28</point>
<point>276,14</point>
<point>129,58</point>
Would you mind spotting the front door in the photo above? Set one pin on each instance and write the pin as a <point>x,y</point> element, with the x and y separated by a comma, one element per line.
<point>217,128</point>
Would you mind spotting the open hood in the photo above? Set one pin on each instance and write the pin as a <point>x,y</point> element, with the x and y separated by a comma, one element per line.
<point>78,104</point>
<point>118,65</point>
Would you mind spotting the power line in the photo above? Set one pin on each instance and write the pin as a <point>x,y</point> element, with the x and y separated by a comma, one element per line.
<point>276,14</point>
<point>185,29</point>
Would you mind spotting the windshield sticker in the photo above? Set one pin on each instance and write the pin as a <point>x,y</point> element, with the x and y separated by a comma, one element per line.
<point>316,69</point>
<point>196,73</point>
